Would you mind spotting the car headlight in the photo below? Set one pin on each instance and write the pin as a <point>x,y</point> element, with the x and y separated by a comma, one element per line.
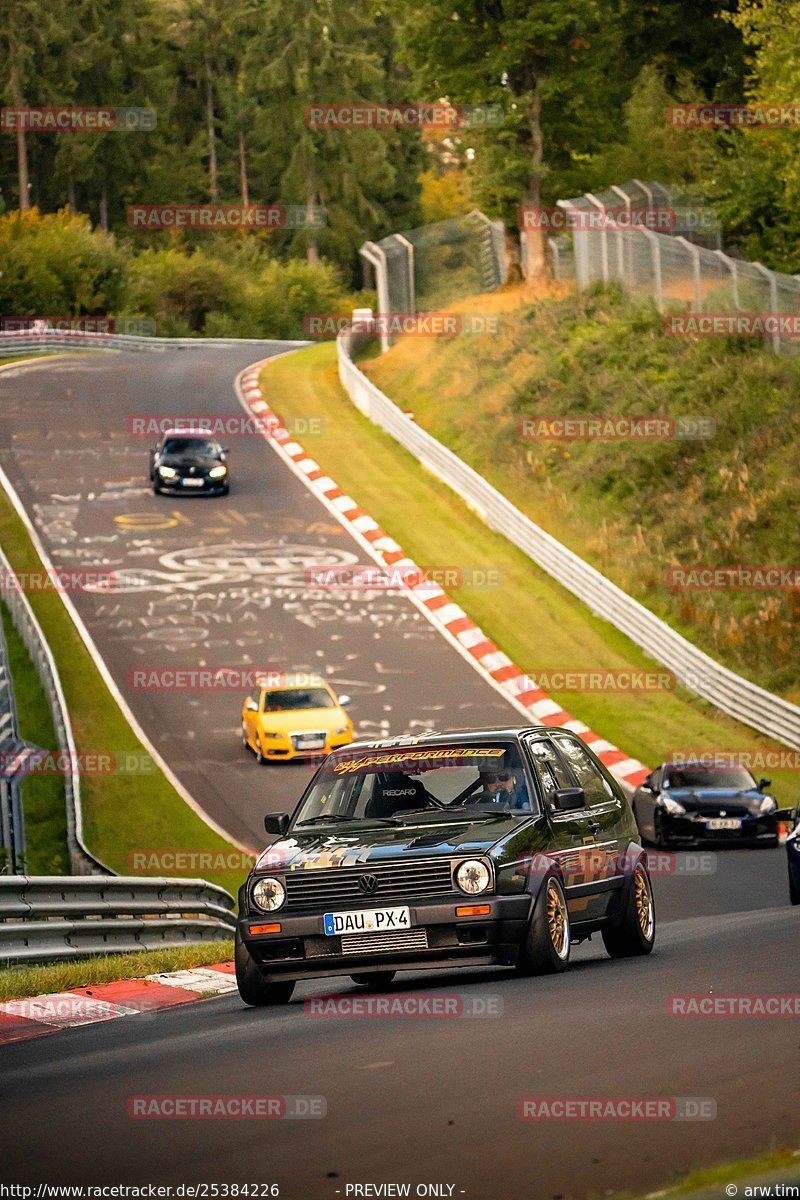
<point>473,876</point>
<point>269,894</point>
<point>217,472</point>
<point>768,806</point>
<point>167,472</point>
<point>672,807</point>
<point>344,729</point>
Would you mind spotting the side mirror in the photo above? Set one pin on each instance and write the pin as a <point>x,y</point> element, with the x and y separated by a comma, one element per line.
<point>784,814</point>
<point>276,823</point>
<point>647,786</point>
<point>226,449</point>
<point>250,704</point>
<point>568,799</point>
<point>763,783</point>
<point>344,701</point>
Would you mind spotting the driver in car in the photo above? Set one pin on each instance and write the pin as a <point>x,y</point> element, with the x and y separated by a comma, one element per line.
<point>504,789</point>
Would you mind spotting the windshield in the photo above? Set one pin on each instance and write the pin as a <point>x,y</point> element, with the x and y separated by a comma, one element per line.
<point>710,777</point>
<point>189,445</point>
<point>377,784</point>
<point>294,698</point>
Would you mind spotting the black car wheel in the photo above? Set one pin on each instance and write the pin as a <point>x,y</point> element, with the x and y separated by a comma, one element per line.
<point>253,987</point>
<point>660,839</point>
<point>374,980</point>
<point>635,932</point>
<point>546,948</point>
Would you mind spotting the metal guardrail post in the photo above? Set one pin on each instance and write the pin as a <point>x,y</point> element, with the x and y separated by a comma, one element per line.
<point>412,297</point>
<point>376,257</point>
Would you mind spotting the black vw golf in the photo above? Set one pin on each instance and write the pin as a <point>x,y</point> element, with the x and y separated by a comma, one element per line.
<point>501,846</point>
<point>189,463</point>
<point>682,804</point>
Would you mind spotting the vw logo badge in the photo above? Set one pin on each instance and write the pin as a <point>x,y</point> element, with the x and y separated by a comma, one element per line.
<point>368,884</point>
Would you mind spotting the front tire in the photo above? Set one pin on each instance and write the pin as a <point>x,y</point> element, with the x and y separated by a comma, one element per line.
<point>261,757</point>
<point>546,948</point>
<point>253,987</point>
<point>375,981</point>
<point>794,890</point>
<point>635,933</point>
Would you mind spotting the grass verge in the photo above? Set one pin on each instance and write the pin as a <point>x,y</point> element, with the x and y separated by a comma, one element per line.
<point>46,978</point>
<point>43,797</point>
<point>532,618</point>
<point>122,813</point>
<point>721,494</point>
<point>763,1169</point>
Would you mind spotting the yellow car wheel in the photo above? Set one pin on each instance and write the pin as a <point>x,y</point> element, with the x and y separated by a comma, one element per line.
<point>261,758</point>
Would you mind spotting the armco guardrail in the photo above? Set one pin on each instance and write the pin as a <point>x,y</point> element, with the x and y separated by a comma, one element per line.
<point>12,824</point>
<point>30,343</point>
<point>29,629</point>
<point>701,674</point>
<point>50,917</point>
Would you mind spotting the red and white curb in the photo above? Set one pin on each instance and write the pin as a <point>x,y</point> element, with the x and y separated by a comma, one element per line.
<point>36,1015</point>
<point>447,616</point>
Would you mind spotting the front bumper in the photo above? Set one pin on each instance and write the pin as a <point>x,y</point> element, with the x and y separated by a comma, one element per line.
<point>301,949</point>
<point>282,749</point>
<point>691,829</point>
<point>177,487</point>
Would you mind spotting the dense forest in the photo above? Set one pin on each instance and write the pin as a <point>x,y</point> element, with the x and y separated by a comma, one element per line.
<point>581,88</point>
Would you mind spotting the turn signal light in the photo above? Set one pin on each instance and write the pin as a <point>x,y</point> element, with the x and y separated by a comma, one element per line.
<point>265,928</point>
<point>473,910</point>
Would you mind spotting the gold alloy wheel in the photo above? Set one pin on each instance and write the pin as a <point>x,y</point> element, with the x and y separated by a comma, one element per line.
<point>557,920</point>
<point>644,903</point>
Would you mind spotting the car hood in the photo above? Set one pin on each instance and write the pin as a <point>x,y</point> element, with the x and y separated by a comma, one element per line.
<point>693,798</point>
<point>298,719</point>
<point>204,461</point>
<point>360,842</point>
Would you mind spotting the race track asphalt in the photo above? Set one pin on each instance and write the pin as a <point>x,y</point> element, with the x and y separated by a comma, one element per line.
<point>220,583</point>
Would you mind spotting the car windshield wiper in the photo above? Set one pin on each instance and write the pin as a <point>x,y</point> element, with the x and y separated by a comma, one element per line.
<point>355,820</point>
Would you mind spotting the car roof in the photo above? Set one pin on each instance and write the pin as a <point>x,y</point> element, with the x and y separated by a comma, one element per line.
<point>189,433</point>
<point>458,737</point>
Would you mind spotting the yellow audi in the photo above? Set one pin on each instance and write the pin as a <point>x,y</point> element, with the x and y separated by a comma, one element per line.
<point>301,717</point>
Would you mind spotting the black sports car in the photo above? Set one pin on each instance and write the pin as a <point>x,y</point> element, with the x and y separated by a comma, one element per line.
<point>682,804</point>
<point>189,463</point>
<point>499,846</point>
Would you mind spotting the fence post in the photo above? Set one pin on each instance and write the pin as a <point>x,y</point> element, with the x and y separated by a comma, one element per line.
<point>376,257</point>
<point>775,337</point>
<point>623,240</point>
<point>580,247</point>
<point>730,263</point>
<point>412,296</point>
<point>655,253</point>
<point>604,243</point>
<point>695,256</point>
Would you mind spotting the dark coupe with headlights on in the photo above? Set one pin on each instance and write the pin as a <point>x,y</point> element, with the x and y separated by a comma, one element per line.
<point>683,804</point>
<point>189,463</point>
<point>499,847</point>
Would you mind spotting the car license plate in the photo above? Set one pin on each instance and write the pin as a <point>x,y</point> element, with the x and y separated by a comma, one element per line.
<point>724,823</point>
<point>311,743</point>
<point>370,920</point>
<point>193,482</point>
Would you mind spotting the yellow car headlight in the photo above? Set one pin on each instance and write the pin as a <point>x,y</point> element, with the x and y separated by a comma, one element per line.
<point>217,472</point>
<point>167,472</point>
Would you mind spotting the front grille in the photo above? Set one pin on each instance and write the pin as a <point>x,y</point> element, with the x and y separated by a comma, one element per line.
<point>300,740</point>
<point>376,943</point>
<point>335,886</point>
